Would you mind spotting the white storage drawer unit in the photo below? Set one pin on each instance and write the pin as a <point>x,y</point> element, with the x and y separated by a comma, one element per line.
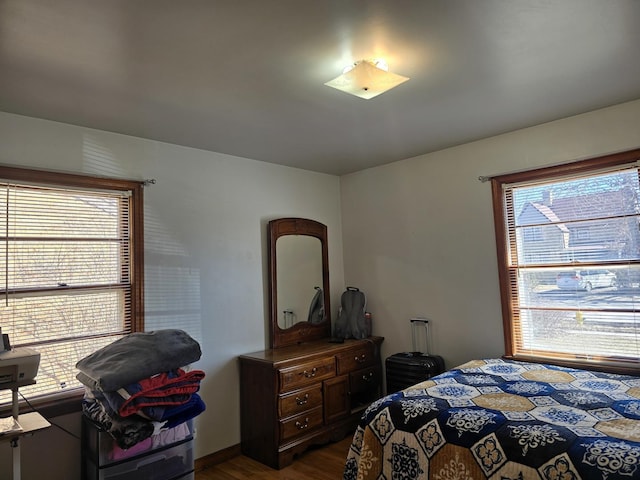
<point>171,461</point>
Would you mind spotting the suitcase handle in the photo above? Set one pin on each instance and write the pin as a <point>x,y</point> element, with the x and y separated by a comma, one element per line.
<point>421,320</point>
<point>426,323</point>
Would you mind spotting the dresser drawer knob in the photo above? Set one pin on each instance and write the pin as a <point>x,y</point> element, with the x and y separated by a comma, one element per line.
<point>361,359</point>
<point>302,401</point>
<point>368,378</point>
<point>310,374</point>
<point>302,426</point>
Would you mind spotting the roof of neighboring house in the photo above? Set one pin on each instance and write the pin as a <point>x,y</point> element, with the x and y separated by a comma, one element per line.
<point>551,215</point>
<point>585,207</point>
<point>590,205</point>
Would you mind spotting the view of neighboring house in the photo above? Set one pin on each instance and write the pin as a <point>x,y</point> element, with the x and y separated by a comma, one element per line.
<point>568,229</point>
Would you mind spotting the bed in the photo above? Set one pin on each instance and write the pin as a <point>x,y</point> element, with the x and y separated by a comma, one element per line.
<point>501,420</point>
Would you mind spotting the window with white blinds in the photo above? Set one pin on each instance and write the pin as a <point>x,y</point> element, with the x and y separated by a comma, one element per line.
<point>70,279</point>
<point>569,258</point>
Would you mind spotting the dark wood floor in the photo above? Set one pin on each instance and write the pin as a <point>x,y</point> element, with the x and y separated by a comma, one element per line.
<point>322,463</point>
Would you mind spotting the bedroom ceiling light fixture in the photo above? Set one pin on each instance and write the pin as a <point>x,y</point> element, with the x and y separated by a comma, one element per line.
<point>366,79</point>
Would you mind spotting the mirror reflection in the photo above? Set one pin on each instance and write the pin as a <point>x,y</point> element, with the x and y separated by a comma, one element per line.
<point>299,267</point>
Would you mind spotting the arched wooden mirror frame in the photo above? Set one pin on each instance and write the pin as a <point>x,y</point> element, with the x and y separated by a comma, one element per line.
<point>301,331</point>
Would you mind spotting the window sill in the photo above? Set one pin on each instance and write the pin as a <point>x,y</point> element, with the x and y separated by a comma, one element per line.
<point>608,368</point>
<point>68,403</point>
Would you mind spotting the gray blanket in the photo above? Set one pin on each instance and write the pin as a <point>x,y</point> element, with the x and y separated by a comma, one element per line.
<point>136,356</point>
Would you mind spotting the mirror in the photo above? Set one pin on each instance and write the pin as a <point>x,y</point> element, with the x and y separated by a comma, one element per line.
<point>299,267</point>
<point>299,281</point>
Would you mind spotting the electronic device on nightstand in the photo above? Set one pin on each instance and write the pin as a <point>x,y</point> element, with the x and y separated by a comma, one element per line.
<point>18,365</point>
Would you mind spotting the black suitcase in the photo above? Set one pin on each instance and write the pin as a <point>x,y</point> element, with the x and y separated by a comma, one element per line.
<point>408,368</point>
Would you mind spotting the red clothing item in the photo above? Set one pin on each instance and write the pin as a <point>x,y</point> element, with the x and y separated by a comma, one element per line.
<point>164,389</point>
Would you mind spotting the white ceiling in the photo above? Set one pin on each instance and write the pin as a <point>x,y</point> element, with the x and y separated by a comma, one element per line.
<point>246,77</point>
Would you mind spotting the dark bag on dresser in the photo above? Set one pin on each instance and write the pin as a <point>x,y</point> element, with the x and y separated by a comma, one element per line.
<point>408,368</point>
<point>351,321</point>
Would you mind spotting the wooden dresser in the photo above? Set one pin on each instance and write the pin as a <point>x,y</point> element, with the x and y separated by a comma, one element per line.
<point>312,393</point>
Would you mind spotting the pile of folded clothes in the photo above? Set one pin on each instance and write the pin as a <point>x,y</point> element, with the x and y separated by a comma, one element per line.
<point>140,389</point>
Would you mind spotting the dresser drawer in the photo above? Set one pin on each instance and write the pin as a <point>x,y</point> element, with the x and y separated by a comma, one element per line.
<point>357,358</point>
<point>365,379</point>
<point>300,424</point>
<point>299,401</point>
<point>306,374</point>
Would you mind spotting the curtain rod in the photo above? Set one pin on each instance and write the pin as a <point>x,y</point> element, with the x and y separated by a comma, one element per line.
<point>486,178</point>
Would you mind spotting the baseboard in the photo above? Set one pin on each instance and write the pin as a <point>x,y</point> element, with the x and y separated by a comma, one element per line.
<point>217,457</point>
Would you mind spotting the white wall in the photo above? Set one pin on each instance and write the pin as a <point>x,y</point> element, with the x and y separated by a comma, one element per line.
<point>205,256</point>
<point>419,233</point>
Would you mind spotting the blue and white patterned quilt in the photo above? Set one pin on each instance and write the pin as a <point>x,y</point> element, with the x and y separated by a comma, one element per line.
<point>503,420</point>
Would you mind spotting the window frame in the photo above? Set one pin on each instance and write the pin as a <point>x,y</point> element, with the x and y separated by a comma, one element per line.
<point>505,271</point>
<point>68,402</point>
